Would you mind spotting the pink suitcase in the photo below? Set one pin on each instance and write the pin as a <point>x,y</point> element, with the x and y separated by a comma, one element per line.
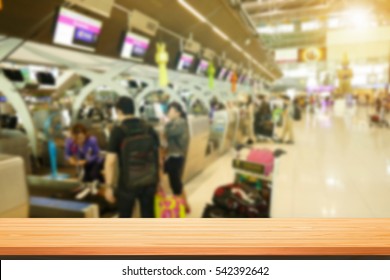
<point>263,157</point>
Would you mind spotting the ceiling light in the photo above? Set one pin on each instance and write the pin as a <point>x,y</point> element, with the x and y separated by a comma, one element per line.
<point>192,10</point>
<point>237,47</point>
<point>220,33</point>
<point>359,18</point>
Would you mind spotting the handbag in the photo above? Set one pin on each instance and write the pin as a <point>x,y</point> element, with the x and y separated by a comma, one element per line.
<point>168,206</point>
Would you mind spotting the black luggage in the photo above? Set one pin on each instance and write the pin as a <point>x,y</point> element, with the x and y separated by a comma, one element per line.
<point>265,129</point>
<point>244,201</point>
<point>213,211</point>
<point>297,113</point>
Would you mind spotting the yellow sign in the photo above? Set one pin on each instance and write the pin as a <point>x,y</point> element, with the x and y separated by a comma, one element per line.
<point>1,5</point>
<point>162,59</point>
<point>312,54</point>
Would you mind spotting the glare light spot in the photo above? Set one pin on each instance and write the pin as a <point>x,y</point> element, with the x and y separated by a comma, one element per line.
<point>359,18</point>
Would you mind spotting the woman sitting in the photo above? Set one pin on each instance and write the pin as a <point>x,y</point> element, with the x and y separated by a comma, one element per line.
<point>82,151</point>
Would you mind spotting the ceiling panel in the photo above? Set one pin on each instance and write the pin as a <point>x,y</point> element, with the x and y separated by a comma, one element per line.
<point>19,18</point>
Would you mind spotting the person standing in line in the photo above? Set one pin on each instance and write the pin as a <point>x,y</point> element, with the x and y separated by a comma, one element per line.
<point>288,122</point>
<point>264,127</point>
<point>177,138</point>
<point>250,107</point>
<point>134,148</point>
<point>383,113</point>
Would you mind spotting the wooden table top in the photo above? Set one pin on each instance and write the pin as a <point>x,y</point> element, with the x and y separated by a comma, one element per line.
<point>194,237</point>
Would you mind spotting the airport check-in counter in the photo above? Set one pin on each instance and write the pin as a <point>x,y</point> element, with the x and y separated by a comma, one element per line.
<point>198,125</point>
<point>17,200</point>
<point>13,188</point>
<point>231,131</point>
<point>243,125</point>
<point>218,129</point>
<point>199,134</point>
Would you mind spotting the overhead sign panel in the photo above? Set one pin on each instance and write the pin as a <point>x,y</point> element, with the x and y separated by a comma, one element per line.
<point>312,54</point>
<point>102,7</point>
<point>286,55</point>
<point>192,46</point>
<point>208,54</point>
<point>143,23</point>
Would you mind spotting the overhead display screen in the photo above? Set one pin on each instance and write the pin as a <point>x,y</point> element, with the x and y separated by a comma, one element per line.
<point>135,46</point>
<point>202,67</point>
<point>76,30</point>
<point>242,79</point>
<point>229,75</point>
<point>222,73</point>
<point>185,62</point>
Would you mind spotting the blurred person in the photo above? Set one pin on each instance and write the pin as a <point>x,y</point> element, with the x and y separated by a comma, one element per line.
<point>287,134</point>
<point>177,139</point>
<point>82,151</point>
<point>263,125</point>
<point>134,149</point>
<point>250,107</point>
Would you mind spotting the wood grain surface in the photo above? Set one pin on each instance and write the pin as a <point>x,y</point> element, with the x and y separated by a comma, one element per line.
<point>194,237</point>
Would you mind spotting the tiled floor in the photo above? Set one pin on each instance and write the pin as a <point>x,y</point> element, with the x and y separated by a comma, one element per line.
<point>338,167</point>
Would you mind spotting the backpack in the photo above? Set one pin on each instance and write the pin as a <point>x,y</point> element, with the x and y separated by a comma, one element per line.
<point>297,113</point>
<point>139,157</point>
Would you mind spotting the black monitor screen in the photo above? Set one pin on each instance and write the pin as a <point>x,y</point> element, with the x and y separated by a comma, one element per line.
<point>46,78</point>
<point>13,75</point>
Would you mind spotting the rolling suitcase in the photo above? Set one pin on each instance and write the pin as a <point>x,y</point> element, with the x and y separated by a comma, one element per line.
<point>262,157</point>
<point>213,211</point>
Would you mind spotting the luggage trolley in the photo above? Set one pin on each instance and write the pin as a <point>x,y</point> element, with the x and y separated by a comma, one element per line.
<point>249,196</point>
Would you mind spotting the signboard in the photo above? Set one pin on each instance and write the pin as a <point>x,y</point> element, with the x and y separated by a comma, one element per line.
<point>192,46</point>
<point>312,54</point>
<point>286,56</point>
<point>143,23</point>
<point>102,7</point>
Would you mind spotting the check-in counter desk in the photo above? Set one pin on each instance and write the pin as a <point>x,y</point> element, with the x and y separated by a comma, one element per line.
<point>231,131</point>
<point>216,141</point>
<point>199,134</point>
<point>243,126</point>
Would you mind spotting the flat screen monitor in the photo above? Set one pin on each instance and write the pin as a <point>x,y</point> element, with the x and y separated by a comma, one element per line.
<point>134,46</point>
<point>202,67</point>
<point>46,78</point>
<point>133,84</point>
<point>185,62</point>
<point>222,73</point>
<point>229,76</point>
<point>242,79</point>
<point>13,75</point>
<point>76,30</point>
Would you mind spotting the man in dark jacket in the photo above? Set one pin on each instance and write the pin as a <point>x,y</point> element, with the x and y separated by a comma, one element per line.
<point>125,196</point>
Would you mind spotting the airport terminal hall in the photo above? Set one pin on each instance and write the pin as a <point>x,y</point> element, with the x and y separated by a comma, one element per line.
<point>194,109</point>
